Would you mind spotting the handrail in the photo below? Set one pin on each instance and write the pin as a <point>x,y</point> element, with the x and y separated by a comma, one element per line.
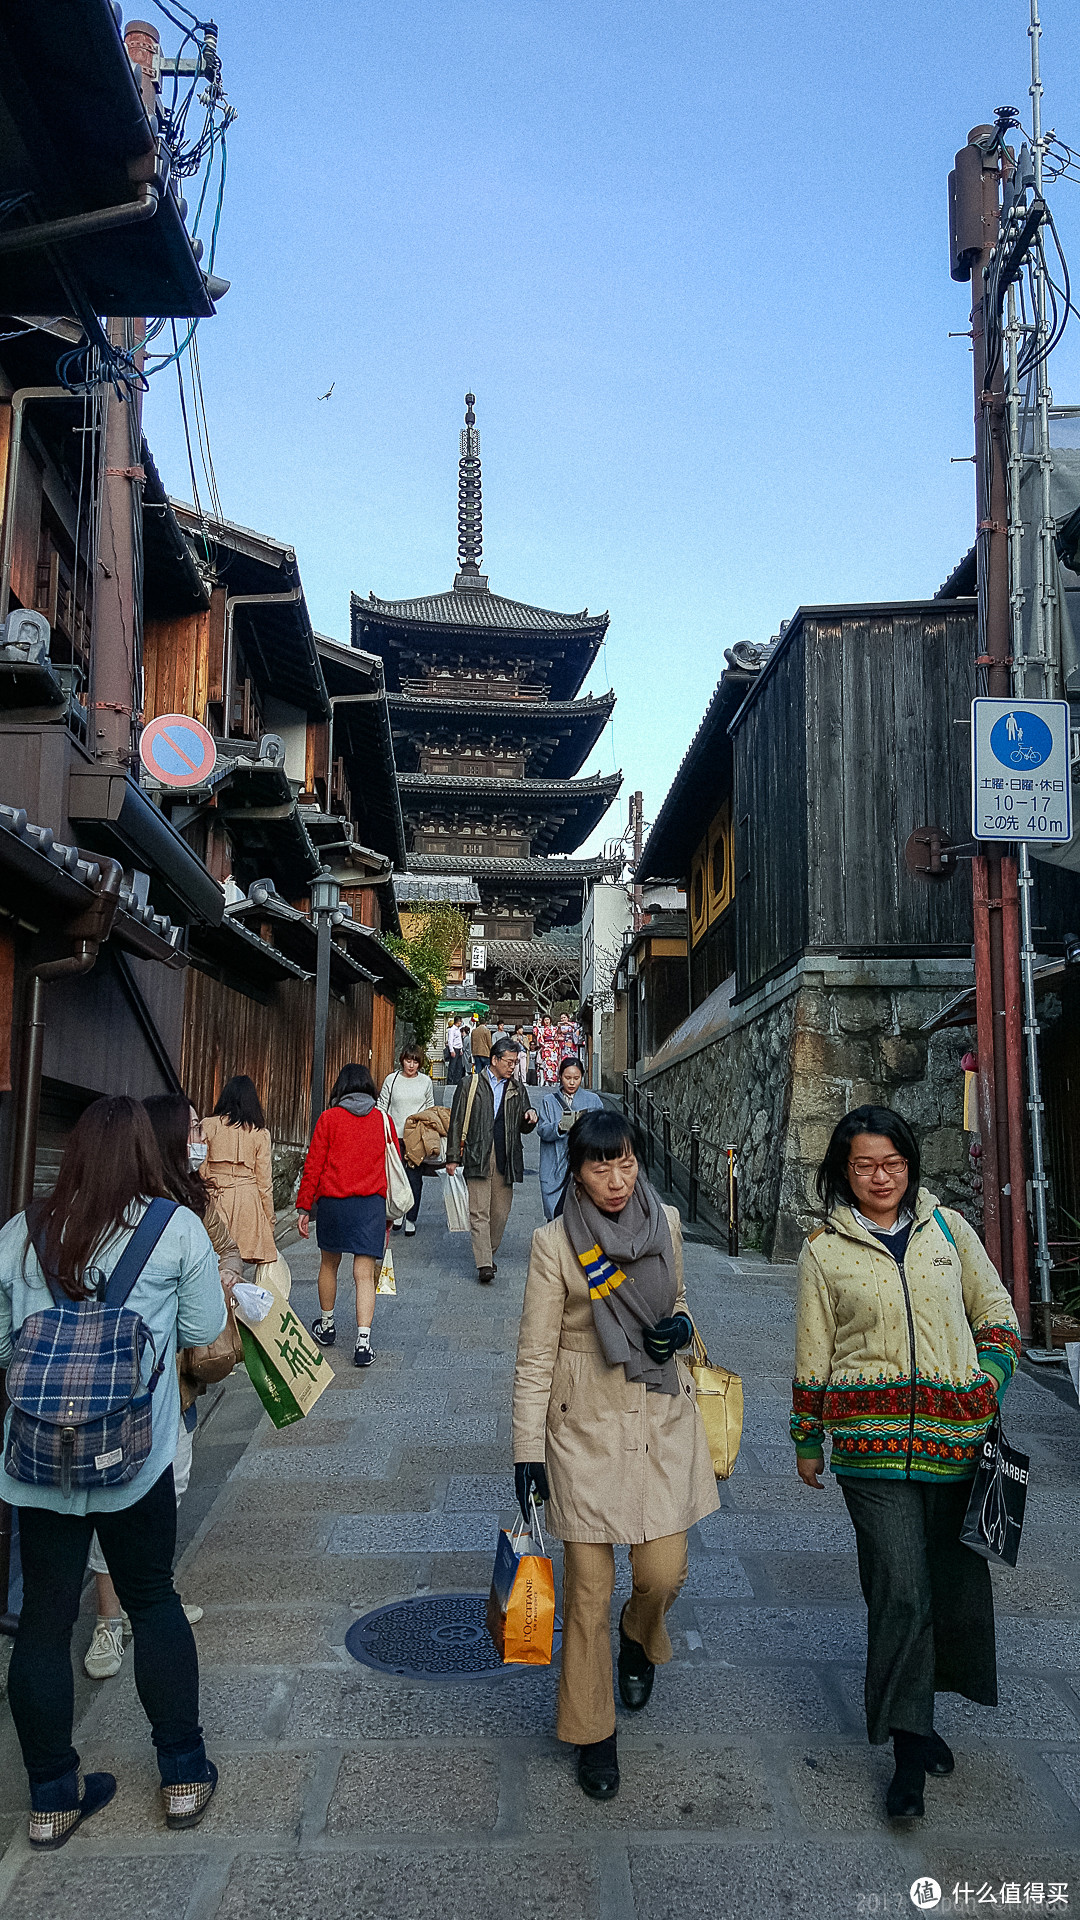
<point>683,1175</point>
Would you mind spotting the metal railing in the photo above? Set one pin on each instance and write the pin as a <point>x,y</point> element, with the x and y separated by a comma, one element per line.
<point>683,1176</point>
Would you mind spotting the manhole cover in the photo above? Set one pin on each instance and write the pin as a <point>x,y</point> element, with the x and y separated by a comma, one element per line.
<point>436,1636</point>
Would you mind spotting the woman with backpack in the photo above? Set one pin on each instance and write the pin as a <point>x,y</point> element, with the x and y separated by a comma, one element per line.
<point>345,1175</point>
<point>179,1134</point>
<point>132,1276</point>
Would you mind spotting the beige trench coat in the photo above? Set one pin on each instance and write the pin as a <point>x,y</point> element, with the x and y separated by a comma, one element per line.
<point>239,1166</point>
<point>624,1465</point>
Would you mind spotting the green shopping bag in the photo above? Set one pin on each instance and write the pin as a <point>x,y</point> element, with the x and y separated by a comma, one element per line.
<point>285,1367</point>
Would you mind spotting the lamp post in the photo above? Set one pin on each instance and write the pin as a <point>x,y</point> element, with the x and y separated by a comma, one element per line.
<point>325,902</point>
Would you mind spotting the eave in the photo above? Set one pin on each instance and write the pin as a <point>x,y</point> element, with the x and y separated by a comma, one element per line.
<point>556,735</point>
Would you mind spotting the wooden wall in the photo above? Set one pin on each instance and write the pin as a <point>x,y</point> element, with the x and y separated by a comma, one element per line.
<point>770,823</point>
<point>176,665</point>
<point>225,1032</point>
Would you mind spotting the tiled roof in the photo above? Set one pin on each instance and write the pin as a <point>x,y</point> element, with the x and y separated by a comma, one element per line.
<point>546,711</point>
<point>455,890</point>
<point>519,791</point>
<point>479,609</point>
<point>537,867</point>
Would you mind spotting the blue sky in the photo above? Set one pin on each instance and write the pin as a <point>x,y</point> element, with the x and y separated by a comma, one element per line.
<point>691,257</point>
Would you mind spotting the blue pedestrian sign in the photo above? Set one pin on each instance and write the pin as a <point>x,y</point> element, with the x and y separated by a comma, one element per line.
<point>1020,780</point>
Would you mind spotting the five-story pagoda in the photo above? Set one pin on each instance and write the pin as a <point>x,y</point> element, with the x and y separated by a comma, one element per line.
<point>489,732</point>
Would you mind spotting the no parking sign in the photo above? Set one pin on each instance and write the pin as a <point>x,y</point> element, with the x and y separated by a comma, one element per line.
<point>177,750</point>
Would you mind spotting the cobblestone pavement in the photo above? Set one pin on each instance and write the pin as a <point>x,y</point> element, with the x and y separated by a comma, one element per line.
<point>748,1787</point>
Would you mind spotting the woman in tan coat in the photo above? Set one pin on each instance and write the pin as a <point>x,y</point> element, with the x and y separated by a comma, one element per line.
<point>239,1168</point>
<point>606,1428</point>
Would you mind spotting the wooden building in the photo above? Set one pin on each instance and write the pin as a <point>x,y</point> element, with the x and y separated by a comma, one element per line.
<point>489,736</point>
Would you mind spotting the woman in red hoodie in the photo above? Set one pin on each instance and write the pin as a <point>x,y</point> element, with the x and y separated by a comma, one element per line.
<point>345,1172</point>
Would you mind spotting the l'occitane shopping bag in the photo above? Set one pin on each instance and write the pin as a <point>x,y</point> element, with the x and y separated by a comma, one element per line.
<point>287,1370</point>
<point>521,1604</point>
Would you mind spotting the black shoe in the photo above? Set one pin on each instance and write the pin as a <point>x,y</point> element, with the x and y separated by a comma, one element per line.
<point>939,1757</point>
<point>62,1805</point>
<point>494,1266</point>
<point>362,1356</point>
<point>185,1804</point>
<point>598,1769</point>
<point>636,1672</point>
<point>320,1332</point>
<point>904,1800</point>
<point>485,1275</point>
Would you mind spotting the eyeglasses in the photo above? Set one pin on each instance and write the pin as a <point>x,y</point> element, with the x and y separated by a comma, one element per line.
<point>894,1165</point>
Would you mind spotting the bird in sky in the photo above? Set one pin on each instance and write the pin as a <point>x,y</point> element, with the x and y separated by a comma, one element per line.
<point>329,391</point>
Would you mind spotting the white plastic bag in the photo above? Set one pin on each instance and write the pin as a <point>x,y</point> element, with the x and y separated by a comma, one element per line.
<point>387,1281</point>
<point>456,1200</point>
<point>252,1303</point>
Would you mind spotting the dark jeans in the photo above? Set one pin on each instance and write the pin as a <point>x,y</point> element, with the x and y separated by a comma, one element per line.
<point>416,1182</point>
<point>929,1601</point>
<point>138,1544</point>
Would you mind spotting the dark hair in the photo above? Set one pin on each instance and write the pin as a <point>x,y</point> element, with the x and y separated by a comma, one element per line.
<point>832,1181</point>
<point>411,1053</point>
<point>504,1046</point>
<point>170,1117</point>
<point>239,1103</point>
<point>352,1079</point>
<point>571,1061</point>
<point>603,1134</point>
<point>111,1160</point>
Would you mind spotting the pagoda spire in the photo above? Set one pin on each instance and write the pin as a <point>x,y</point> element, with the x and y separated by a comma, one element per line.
<point>470,505</point>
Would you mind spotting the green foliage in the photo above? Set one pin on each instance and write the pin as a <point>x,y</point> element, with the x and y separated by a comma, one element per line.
<point>435,934</point>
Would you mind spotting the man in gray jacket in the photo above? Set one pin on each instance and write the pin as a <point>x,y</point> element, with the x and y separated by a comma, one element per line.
<point>487,1120</point>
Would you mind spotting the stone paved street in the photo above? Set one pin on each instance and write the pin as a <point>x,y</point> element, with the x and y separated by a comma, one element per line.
<point>748,1787</point>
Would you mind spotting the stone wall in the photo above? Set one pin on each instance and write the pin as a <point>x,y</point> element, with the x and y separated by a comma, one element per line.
<point>795,1059</point>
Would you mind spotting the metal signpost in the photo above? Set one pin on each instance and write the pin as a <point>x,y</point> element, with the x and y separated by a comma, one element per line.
<point>1021,790</point>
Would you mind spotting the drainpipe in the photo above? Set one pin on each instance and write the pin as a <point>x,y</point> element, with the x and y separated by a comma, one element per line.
<point>244,600</point>
<point>7,549</point>
<point>78,226</point>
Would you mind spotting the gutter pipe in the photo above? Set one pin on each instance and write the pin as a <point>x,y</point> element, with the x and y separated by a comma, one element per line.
<point>80,226</point>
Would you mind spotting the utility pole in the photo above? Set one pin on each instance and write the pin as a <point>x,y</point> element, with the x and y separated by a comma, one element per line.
<point>974,204</point>
<point>637,829</point>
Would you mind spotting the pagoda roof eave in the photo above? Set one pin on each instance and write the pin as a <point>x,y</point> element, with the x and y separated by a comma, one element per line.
<point>523,792</point>
<point>540,869</point>
<point>563,655</point>
<point>485,612</point>
<point>543,712</point>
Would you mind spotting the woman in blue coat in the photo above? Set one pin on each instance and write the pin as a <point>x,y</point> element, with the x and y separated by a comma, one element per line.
<point>559,1108</point>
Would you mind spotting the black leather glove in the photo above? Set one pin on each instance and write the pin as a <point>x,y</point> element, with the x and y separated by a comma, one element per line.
<point>530,1478</point>
<point>661,1341</point>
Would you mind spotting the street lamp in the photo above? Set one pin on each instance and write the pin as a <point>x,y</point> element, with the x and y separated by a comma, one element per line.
<point>325,904</point>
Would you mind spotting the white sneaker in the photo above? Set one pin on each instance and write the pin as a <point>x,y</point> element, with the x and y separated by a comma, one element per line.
<point>105,1655</point>
<point>410,1226</point>
<point>194,1614</point>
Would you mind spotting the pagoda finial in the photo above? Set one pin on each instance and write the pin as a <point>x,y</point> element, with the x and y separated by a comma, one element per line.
<point>470,506</point>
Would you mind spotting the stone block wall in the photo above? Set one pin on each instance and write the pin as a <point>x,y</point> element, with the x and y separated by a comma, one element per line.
<point>794,1061</point>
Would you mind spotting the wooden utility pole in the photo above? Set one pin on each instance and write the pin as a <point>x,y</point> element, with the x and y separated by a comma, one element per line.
<point>637,829</point>
<point>974,204</point>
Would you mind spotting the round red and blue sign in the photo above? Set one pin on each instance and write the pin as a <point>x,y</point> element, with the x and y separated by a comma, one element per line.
<point>177,750</point>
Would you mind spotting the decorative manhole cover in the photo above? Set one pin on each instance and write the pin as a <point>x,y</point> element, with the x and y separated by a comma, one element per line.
<point>436,1636</point>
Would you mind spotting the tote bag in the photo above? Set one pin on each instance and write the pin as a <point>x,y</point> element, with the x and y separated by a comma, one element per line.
<point>399,1194</point>
<point>995,1512</point>
<point>720,1404</point>
<point>521,1604</point>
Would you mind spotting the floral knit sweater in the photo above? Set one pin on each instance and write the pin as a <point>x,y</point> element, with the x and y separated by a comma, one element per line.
<point>901,1365</point>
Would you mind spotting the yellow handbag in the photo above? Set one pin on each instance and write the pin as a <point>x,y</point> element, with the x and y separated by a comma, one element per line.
<point>720,1404</point>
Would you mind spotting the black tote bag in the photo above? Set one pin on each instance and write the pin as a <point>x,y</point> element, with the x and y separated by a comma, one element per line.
<point>995,1513</point>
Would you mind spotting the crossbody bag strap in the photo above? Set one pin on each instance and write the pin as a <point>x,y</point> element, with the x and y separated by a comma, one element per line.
<point>138,1250</point>
<point>470,1097</point>
<point>940,1218</point>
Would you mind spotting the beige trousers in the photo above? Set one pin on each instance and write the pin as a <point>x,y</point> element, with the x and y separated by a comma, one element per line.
<point>489,1211</point>
<point>586,1696</point>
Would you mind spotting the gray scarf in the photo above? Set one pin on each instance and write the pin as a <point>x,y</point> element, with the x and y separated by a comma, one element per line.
<point>636,1245</point>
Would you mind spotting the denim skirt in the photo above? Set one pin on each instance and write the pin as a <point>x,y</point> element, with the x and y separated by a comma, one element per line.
<point>355,1225</point>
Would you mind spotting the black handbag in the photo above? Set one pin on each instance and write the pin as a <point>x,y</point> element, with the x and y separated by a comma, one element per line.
<point>995,1511</point>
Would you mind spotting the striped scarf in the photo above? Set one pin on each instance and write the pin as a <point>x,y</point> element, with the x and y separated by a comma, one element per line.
<point>629,1262</point>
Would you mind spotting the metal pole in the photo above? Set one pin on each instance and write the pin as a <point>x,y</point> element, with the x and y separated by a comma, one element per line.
<point>1045,570</point>
<point>695,1156</point>
<point>650,1124</point>
<point>322,1012</point>
<point>733,1204</point>
<point>1035,1104</point>
<point>666,1126</point>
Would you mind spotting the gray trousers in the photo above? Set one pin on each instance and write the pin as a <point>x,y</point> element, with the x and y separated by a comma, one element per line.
<point>929,1601</point>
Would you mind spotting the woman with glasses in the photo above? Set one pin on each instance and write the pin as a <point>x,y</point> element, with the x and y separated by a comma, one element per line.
<point>906,1341</point>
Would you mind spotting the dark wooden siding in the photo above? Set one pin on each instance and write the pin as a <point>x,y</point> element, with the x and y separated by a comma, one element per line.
<point>883,757</point>
<point>771,823</point>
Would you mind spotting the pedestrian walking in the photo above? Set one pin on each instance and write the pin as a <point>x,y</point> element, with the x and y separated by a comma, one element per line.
<point>345,1178</point>
<point>110,1214</point>
<point>239,1167</point>
<point>559,1108</point>
<point>521,1065</point>
<point>479,1046</point>
<point>406,1092</point>
<point>179,1135</point>
<point>906,1340</point>
<point>549,1053</point>
<point>455,1052</point>
<point>606,1428</point>
<point>487,1120</point>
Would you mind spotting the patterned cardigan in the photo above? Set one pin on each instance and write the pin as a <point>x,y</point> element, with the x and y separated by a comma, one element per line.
<point>901,1365</point>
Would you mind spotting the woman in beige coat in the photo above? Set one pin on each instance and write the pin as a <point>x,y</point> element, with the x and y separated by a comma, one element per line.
<point>239,1168</point>
<point>606,1428</point>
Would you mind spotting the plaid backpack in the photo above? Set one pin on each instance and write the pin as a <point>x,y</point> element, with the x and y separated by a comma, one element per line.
<point>80,1415</point>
